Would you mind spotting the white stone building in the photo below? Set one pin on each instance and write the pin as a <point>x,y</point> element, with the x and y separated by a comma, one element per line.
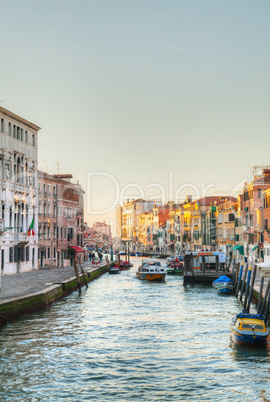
<point>18,193</point>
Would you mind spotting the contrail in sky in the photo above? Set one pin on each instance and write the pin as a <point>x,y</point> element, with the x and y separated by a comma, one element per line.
<point>177,48</point>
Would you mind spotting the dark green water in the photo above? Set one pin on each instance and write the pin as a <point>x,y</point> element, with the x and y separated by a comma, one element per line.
<point>128,340</point>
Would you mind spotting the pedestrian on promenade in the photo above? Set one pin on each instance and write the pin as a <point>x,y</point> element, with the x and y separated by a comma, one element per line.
<point>100,256</point>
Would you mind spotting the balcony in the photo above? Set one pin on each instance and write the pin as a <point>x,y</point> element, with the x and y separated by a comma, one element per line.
<point>19,188</point>
<point>3,184</point>
<point>19,238</point>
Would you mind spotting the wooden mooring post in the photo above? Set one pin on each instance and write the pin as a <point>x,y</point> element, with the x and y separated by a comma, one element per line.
<point>82,271</point>
<point>217,263</point>
<point>267,307</point>
<point>188,275</point>
<point>239,279</point>
<point>108,263</point>
<point>254,271</point>
<point>77,274</point>
<point>265,296</point>
<point>247,286</point>
<point>260,295</point>
<point>243,281</point>
<point>233,269</point>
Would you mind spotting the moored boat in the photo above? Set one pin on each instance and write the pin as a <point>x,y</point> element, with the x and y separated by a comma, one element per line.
<point>249,329</point>
<point>114,270</point>
<point>124,265</point>
<point>226,288</point>
<point>224,285</point>
<point>151,270</point>
<point>175,268</point>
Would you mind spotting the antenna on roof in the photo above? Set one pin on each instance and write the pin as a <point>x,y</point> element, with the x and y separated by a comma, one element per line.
<point>46,170</point>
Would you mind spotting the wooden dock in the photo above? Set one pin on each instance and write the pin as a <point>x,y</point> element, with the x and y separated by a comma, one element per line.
<point>205,278</point>
<point>202,275</point>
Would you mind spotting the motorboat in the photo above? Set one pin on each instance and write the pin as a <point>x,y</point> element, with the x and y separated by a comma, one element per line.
<point>249,329</point>
<point>226,288</point>
<point>175,268</point>
<point>224,285</point>
<point>173,258</point>
<point>114,270</point>
<point>124,265</point>
<point>151,270</point>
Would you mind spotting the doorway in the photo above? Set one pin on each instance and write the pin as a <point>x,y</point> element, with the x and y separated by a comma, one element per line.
<point>2,260</point>
<point>41,258</point>
<point>18,250</point>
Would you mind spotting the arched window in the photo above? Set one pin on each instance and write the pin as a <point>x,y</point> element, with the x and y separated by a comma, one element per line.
<point>18,172</point>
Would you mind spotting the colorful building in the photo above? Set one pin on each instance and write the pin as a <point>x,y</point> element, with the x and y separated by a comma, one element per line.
<point>252,214</point>
<point>60,219</point>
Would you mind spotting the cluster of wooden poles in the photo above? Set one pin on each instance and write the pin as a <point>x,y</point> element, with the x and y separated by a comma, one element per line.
<point>244,276</point>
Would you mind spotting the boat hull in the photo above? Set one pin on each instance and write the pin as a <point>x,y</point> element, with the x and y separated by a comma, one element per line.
<point>175,272</point>
<point>114,271</point>
<point>226,289</point>
<point>151,276</point>
<point>243,339</point>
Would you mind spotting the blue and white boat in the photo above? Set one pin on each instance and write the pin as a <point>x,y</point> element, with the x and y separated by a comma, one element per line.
<point>224,285</point>
<point>249,329</point>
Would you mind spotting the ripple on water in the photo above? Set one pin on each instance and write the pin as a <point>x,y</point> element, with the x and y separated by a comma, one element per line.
<point>127,340</point>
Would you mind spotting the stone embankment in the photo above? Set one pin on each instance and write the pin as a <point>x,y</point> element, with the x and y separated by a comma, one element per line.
<point>30,292</point>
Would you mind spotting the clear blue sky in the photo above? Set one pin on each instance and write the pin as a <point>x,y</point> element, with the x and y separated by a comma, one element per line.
<point>136,88</point>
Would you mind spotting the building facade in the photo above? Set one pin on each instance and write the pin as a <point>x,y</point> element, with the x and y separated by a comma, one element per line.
<point>130,213</point>
<point>18,193</point>
<point>60,219</point>
<point>266,218</point>
<point>252,214</point>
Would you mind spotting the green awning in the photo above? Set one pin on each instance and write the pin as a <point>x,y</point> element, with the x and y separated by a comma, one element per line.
<point>254,248</point>
<point>240,249</point>
<point>246,209</point>
<point>228,245</point>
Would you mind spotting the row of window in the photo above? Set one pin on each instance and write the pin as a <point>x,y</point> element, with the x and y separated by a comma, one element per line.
<point>59,232</point>
<point>66,212</point>
<point>267,202</point>
<point>46,189</point>
<point>19,254</point>
<point>18,133</point>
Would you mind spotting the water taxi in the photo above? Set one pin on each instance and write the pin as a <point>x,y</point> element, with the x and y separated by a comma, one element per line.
<point>249,329</point>
<point>151,270</point>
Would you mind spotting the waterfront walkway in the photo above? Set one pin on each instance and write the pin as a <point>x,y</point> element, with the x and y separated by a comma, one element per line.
<point>27,283</point>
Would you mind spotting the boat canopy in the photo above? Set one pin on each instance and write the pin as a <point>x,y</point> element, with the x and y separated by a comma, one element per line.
<point>253,316</point>
<point>223,279</point>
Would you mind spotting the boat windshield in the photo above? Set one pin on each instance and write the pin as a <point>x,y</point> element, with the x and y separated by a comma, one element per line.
<point>151,264</point>
<point>251,326</point>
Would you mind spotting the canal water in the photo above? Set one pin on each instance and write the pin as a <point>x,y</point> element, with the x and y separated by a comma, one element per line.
<point>128,340</point>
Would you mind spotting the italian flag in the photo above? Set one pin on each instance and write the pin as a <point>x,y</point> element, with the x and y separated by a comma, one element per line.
<point>31,229</point>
